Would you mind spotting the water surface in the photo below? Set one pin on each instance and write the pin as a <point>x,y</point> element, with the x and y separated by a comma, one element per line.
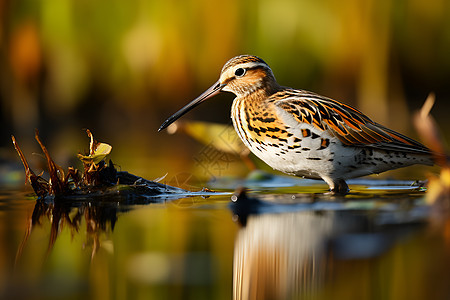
<point>285,239</point>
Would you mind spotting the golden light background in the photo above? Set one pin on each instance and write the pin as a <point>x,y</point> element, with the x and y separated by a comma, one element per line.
<point>120,68</point>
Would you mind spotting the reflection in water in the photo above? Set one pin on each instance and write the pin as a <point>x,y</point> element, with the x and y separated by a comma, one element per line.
<point>279,256</point>
<point>98,218</point>
<point>99,210</point>
<point>289,249</point>
<point>162,250</point>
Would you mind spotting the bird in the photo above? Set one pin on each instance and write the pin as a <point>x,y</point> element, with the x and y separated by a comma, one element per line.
<point>304,134</point>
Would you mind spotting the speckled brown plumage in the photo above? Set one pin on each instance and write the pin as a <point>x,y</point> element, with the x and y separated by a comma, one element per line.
<point>305,134</point>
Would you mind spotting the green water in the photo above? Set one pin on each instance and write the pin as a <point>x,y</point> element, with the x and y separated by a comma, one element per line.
<point>285,240</point>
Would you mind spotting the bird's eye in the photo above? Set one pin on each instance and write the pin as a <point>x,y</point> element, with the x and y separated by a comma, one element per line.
<point>239,72</point>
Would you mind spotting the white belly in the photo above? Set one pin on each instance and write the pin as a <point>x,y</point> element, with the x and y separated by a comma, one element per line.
<point>311,160</point>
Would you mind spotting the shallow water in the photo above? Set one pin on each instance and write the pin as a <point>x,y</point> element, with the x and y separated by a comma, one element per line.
<point>284,239</point>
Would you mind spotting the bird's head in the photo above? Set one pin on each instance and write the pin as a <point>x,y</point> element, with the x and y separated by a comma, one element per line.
<point>242,75</point>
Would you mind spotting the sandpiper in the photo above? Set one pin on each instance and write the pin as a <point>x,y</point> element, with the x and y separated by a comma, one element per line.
<point>305,134</point>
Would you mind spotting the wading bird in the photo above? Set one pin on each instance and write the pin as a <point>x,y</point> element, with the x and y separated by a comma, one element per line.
<point>305,134</point>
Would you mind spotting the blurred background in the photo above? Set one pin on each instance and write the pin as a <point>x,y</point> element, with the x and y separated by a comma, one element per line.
<point>121,68</point>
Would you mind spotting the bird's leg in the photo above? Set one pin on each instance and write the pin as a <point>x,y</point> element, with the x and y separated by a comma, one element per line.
<point>341,187</point>
<point>337,186</point>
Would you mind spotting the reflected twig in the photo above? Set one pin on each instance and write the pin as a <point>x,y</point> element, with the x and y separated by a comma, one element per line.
<point>98,220</point>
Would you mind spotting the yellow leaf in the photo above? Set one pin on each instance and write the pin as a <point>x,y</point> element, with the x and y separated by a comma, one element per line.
<point>98,151</point>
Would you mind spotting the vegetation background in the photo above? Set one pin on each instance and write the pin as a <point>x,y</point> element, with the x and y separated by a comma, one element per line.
<point>120,68</point>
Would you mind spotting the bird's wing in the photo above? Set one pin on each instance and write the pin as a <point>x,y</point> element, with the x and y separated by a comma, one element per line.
<point>348,124</point>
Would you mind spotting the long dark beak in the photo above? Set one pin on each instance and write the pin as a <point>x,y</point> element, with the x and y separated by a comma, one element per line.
<point>212,91</point>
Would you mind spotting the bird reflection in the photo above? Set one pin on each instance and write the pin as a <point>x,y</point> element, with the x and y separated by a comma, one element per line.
<point>281,256</point>
<point>287,249</point>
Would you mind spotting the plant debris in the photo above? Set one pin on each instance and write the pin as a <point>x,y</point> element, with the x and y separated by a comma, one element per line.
<point>438,192</point>
<point>97,179</point>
